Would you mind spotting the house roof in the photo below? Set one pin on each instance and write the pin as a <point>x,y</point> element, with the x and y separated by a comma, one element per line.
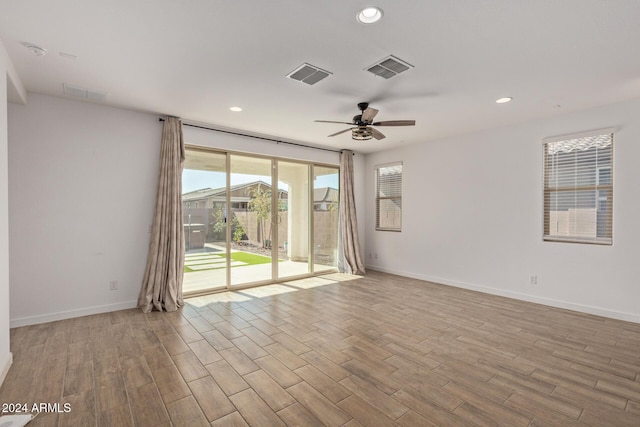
<point>196,59</point>
<point>204,193</point>
<point>324,194</point>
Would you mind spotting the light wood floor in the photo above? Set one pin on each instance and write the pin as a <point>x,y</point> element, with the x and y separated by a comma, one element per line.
<point>380,350</point>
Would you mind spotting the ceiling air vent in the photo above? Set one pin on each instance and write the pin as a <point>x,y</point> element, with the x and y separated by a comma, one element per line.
<point>83,93</point>
<point>389,67</point>
<point>309,74</point>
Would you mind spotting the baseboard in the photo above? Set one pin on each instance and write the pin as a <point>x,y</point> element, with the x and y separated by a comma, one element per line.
<point>61,315</point>
<point>629,317</point>
<point>4,367</point>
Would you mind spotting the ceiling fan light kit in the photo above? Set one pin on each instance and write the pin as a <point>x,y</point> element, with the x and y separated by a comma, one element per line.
<point>361,134</point>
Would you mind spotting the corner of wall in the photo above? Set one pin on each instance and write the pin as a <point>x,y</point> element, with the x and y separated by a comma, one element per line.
<point>5,353</point>
<point>16,91</point>
<point>4,367</point>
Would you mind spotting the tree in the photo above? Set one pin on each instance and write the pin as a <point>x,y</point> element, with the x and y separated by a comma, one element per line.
<point>220,222</point>
<point>260,203</point>
<point>238,230</point>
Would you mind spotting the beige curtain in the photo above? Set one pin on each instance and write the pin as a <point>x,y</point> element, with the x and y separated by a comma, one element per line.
<point>162,283</point>
<point>349,254</point>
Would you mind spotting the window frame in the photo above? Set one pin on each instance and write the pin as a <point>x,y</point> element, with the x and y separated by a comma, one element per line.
<point>378,198</point>
<point>596,187</point>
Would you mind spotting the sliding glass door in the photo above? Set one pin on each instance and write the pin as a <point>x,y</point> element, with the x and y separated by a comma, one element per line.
<point>204,211</point>
<point>294,223</point>
<point>253,220</point>
<point>252,227</point>
<point>325,218</point>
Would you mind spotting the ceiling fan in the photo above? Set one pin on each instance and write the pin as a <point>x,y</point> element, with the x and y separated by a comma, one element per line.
<point>362,129</point>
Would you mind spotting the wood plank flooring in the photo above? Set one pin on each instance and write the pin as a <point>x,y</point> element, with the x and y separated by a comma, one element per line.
<point>333,350</point>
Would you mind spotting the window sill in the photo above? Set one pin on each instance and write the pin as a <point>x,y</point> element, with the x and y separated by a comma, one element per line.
<point>600,241</point>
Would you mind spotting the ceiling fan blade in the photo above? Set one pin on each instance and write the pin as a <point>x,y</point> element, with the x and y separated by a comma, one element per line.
<point>395,123</point>
<point>377,134</point>
<point>342,131</point>
<point>369,114</point>
<point>331,121</point>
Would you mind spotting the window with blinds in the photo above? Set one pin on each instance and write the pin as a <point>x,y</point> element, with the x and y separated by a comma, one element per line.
<point>389,197</point>
<point>578,188</point>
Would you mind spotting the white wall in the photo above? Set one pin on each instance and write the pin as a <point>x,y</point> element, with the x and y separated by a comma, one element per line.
<point>472,217</point>
<point>5,354</point>
<point>226,141</point>
<point>82,183</point>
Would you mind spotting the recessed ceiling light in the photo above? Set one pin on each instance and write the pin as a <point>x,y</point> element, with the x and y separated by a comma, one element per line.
<point>369,15</point>
<point>503,100</point>
<point>235,109</point>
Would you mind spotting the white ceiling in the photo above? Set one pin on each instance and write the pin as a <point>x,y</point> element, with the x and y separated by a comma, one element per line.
<point>196,58</point>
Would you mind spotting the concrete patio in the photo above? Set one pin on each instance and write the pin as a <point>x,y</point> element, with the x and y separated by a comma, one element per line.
<point>212,278</point>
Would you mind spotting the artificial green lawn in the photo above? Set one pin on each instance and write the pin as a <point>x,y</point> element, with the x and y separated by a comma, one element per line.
<point>249,258</point>
<point>246,257</point>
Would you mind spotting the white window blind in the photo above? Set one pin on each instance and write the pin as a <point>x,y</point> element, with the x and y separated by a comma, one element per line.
<point>578,188</point>
<point>389,197</point>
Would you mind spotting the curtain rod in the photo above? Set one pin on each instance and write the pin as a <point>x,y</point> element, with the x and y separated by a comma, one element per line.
<point>277,141</point>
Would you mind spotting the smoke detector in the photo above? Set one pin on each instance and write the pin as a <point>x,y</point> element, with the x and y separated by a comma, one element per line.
<point>35,49</point>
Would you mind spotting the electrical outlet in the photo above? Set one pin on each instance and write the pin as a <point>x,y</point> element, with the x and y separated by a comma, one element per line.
<point>113,285</point>
<point>533,279</point>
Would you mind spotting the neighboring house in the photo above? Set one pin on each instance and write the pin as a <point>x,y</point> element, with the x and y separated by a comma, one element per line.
<point>325,199</point>
<point>202,208</point>
<point>198,205</point>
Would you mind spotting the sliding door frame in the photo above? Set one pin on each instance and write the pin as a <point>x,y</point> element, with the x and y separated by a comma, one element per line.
<point>274,220</point>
